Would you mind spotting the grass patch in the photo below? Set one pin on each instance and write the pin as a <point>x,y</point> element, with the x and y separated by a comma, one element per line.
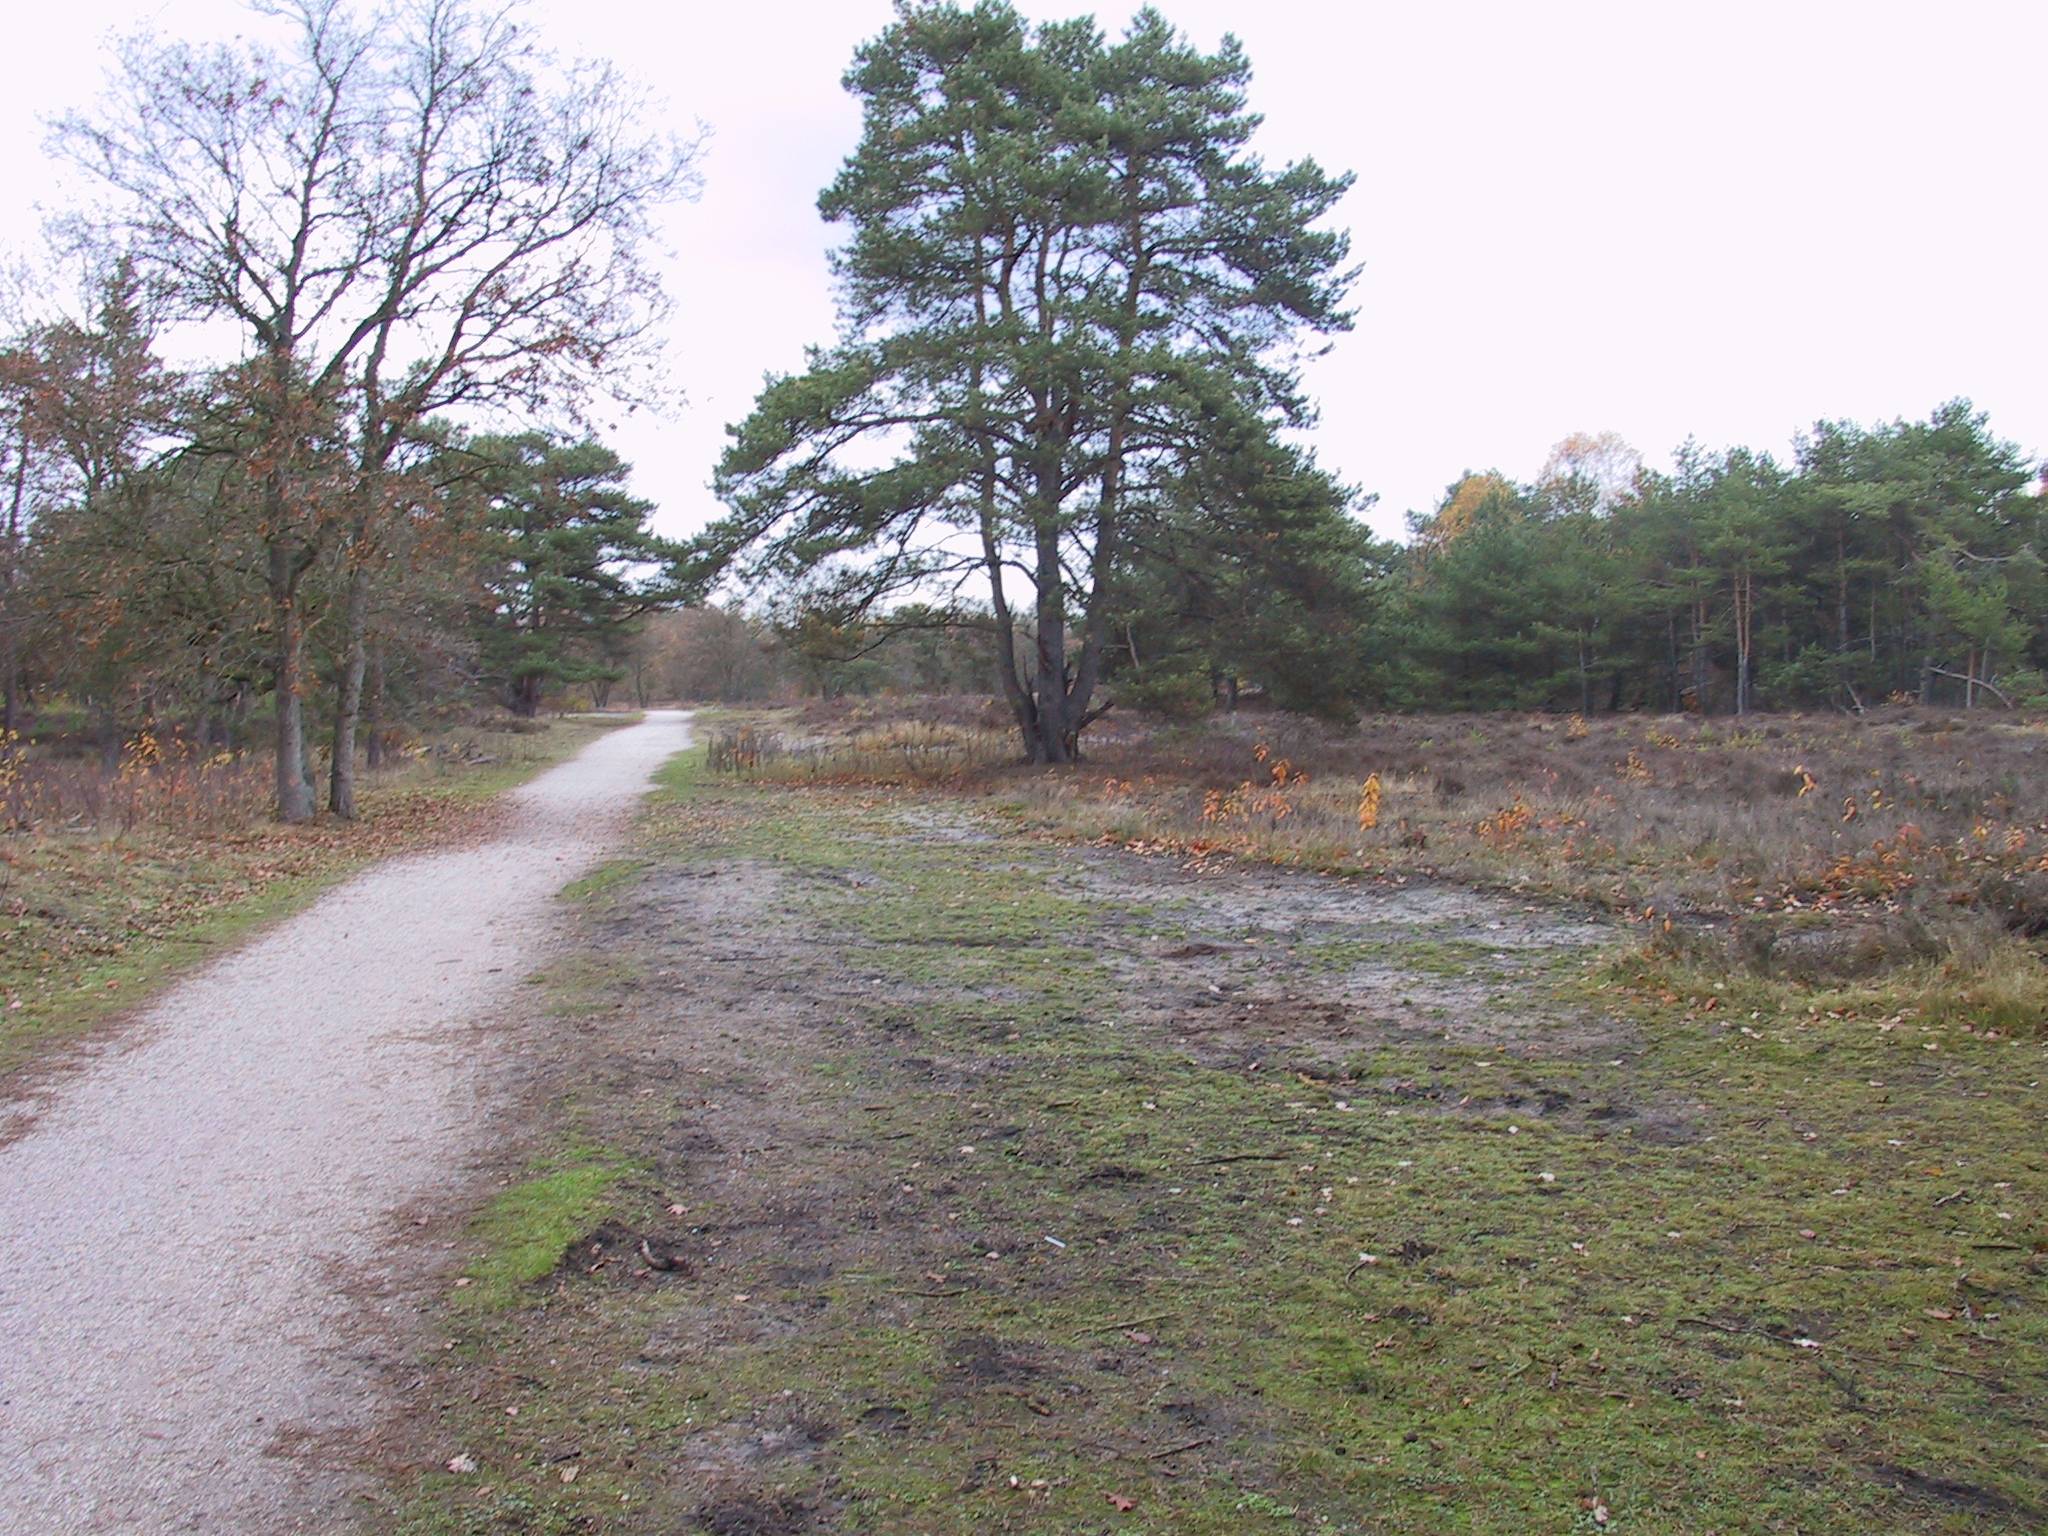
<point>1903,841</point>
<point>605,880</point>
<point>525,1230</point>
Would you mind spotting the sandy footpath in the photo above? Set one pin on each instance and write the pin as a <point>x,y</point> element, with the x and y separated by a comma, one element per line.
<point>191,1226</point>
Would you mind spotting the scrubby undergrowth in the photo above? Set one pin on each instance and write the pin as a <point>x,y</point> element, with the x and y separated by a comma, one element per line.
<point>1854,862</point>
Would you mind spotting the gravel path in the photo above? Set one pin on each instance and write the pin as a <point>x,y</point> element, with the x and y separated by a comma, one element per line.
<point>190,1230</point>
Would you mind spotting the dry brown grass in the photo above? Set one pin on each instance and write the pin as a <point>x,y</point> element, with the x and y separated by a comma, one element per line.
<point>895,753</point>
<point>158,785</point>
<point>1811,849</point>
<point>1676,815</point>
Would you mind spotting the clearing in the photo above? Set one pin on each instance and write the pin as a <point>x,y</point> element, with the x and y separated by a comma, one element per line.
<point>903,1169</point>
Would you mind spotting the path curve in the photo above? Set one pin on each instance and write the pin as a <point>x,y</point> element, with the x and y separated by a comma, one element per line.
<point>179,1224</point>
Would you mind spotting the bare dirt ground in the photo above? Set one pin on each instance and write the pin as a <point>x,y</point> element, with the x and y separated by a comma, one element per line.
<point>197,1217</point>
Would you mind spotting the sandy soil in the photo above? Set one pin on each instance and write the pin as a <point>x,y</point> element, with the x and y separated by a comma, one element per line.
<point>194,1223</point>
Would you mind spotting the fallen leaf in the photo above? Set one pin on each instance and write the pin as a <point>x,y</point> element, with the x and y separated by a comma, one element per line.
<point>463,1463</point>
<point>1123,1505</point>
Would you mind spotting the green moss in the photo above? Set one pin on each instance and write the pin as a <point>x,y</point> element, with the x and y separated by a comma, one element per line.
<point>524,1230</point>
<point>605,880</point>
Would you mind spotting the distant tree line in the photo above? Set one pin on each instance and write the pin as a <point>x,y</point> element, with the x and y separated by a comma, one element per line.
<point>724,655</point>
<point>1904,560</point>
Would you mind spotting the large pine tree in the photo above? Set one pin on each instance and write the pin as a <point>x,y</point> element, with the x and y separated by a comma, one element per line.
<point>1070,290</point>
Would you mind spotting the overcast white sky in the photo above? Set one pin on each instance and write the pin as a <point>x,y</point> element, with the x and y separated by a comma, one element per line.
<point>1724,219</point>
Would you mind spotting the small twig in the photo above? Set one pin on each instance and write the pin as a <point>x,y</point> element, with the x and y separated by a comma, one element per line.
<point>1948,1199</point>
<point>1192,1445</point>
<point>1023,1397</point>
<point>1924,1365</point>
<point>961,1292</point>
<point>1708,1322</point>
<point>1847,1387</point>
<point>1129,1322</point>
<point>1243,1157</point>
<point>1847,1354</point>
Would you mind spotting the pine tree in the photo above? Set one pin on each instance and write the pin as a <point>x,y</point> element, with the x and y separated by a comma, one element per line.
<point>1068,287</point>
<point>570,564</point>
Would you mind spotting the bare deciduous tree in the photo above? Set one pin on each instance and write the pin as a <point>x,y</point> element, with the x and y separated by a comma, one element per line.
<point>401,211</point>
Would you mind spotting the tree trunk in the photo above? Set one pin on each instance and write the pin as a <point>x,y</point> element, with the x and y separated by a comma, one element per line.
<point>10,642</point>
<point>110,736</point>
<point>294,787</point>
<point>373,713</point>
<point>1841,592</point>
<point>1745,597</point>
<point>10,698</point>
<point>348,696</point>
<point>1671,657</point>
<point>1021,707</point>
<point>1699,657</point>
<point>526,695</point>
<point>1052,740</point>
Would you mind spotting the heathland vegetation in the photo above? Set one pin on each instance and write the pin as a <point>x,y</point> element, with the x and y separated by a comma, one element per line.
<point>1151,1008</point>
<point>1051,460</point>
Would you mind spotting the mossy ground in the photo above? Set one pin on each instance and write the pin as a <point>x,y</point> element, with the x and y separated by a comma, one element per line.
<point>1015,1187</point>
